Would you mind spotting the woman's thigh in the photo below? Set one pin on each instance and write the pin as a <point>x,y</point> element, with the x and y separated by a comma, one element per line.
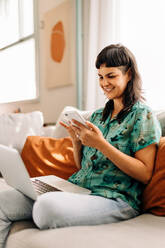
<point>60,209</point>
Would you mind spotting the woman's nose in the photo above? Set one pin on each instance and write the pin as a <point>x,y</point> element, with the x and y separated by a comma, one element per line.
<point>105,82</point>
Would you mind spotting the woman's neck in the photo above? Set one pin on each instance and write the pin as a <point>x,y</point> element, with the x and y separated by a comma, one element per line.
<point>118,106</point>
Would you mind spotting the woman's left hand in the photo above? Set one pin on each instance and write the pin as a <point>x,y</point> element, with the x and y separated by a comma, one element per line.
<point>90,136</point>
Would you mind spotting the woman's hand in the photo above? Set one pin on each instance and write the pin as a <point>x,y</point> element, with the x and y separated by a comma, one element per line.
<point>89,136</point>
<point>76,143</point>
<point>73,134</point>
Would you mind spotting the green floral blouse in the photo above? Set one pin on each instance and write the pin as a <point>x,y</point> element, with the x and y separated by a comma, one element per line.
<point>139,129</point>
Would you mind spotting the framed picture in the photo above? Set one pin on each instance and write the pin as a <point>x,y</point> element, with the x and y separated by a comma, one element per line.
<point>60,44</point>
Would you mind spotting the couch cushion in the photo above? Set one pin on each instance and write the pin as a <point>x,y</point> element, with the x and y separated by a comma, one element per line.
<point>154,193</point>
<point>49,156</point>
<point>14,128</point>
<point>143,231</point>
<point>60,131</point>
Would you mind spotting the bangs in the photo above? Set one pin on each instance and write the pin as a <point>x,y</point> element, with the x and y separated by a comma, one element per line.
<point>113,57</point>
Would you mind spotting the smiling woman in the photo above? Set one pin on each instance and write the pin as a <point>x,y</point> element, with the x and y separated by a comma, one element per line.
<point>123,135</point>
<point>119,78</point>
<point>114,156</point>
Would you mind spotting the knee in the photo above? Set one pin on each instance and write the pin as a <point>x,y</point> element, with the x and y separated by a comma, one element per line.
<point>46,212</point>
<point>51,210</point>
<point>41,213</point>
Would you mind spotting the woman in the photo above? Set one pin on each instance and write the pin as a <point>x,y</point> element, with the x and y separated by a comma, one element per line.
<point>115,156</point>
<point>119,148</point>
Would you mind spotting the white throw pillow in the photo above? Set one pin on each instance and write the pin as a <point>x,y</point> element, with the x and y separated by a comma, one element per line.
<point>14,128</point>
<point>60,131</point>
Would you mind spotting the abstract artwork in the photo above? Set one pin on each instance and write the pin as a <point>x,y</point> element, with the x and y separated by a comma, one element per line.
<point>58,42</point>
<point>59,45</point>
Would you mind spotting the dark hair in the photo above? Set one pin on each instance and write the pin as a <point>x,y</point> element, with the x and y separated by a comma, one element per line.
<point>116,56</point>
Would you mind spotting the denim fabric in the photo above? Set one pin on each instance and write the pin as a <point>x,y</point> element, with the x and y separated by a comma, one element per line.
<point>13,206</point>
<point>60,209</point>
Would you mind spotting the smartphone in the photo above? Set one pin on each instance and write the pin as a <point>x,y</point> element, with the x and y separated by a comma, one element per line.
<point>73,114</point>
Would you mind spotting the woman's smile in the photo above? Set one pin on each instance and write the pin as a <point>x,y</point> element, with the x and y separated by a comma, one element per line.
<point>108,89</point>
<point>113,81</point>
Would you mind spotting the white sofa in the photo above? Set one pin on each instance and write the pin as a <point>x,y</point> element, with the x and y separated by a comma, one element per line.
<point>145,231</point>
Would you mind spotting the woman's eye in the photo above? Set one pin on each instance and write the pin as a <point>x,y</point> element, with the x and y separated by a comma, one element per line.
<point>111,76</point>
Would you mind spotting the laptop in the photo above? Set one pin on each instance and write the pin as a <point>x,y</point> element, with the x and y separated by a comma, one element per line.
<point>16,175</point>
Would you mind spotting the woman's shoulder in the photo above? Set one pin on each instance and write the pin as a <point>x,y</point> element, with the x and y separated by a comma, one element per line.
<point>98,112</point>
<point>140,108</point>
<point>144,115</point>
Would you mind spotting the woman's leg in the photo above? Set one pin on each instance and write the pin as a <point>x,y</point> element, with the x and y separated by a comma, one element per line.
<point>13,206</point>
<point>61,209</point>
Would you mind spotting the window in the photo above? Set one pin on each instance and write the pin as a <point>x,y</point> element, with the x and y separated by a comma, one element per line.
<point>140,27</point>
<point>17,51</point>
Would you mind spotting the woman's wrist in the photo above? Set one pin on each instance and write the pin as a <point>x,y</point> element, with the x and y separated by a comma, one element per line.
<point>76,143</point>
<point>101,144</point>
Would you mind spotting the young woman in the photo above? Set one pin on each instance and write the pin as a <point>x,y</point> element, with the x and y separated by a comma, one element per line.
<point>115,156</point>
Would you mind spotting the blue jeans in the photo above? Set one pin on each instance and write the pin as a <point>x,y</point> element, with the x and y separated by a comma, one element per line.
<point>60,209</point>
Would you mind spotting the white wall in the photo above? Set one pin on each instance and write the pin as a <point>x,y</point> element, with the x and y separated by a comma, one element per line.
<point>51,101</point>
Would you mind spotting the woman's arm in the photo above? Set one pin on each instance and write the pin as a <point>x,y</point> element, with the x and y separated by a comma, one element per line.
<point>77,146</point>
<point>139,167</point>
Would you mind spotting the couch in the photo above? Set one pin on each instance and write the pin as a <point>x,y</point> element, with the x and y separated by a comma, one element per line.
<point>146,230</point>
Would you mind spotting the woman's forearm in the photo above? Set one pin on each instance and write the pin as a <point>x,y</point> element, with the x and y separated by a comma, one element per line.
<point>77,146</point>
<point>129,165</point>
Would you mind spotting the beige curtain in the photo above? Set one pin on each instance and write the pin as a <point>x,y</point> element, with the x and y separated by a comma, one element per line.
<point>4,7</point>
<point>99,31</point>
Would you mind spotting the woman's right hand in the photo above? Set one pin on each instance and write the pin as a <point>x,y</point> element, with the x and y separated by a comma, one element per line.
<point>71,131</point>
<point>75,141</point>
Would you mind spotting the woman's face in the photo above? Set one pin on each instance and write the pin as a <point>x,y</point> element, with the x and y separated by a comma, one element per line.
<point>113,81</point>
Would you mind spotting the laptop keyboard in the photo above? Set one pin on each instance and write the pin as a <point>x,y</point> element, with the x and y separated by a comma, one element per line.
<point>42,187</point>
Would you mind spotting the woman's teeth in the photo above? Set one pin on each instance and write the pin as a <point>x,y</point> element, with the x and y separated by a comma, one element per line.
<point>108,89</point>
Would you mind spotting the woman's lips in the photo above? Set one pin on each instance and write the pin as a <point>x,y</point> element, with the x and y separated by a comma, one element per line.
<point>108,89</point>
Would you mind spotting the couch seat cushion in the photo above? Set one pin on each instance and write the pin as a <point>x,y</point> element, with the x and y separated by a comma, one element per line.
<point>145,230</point>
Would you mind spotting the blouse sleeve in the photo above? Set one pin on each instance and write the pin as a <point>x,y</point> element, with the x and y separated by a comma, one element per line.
<point>146,130</point>
<point>93,116</point>
<point>96,115</point>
